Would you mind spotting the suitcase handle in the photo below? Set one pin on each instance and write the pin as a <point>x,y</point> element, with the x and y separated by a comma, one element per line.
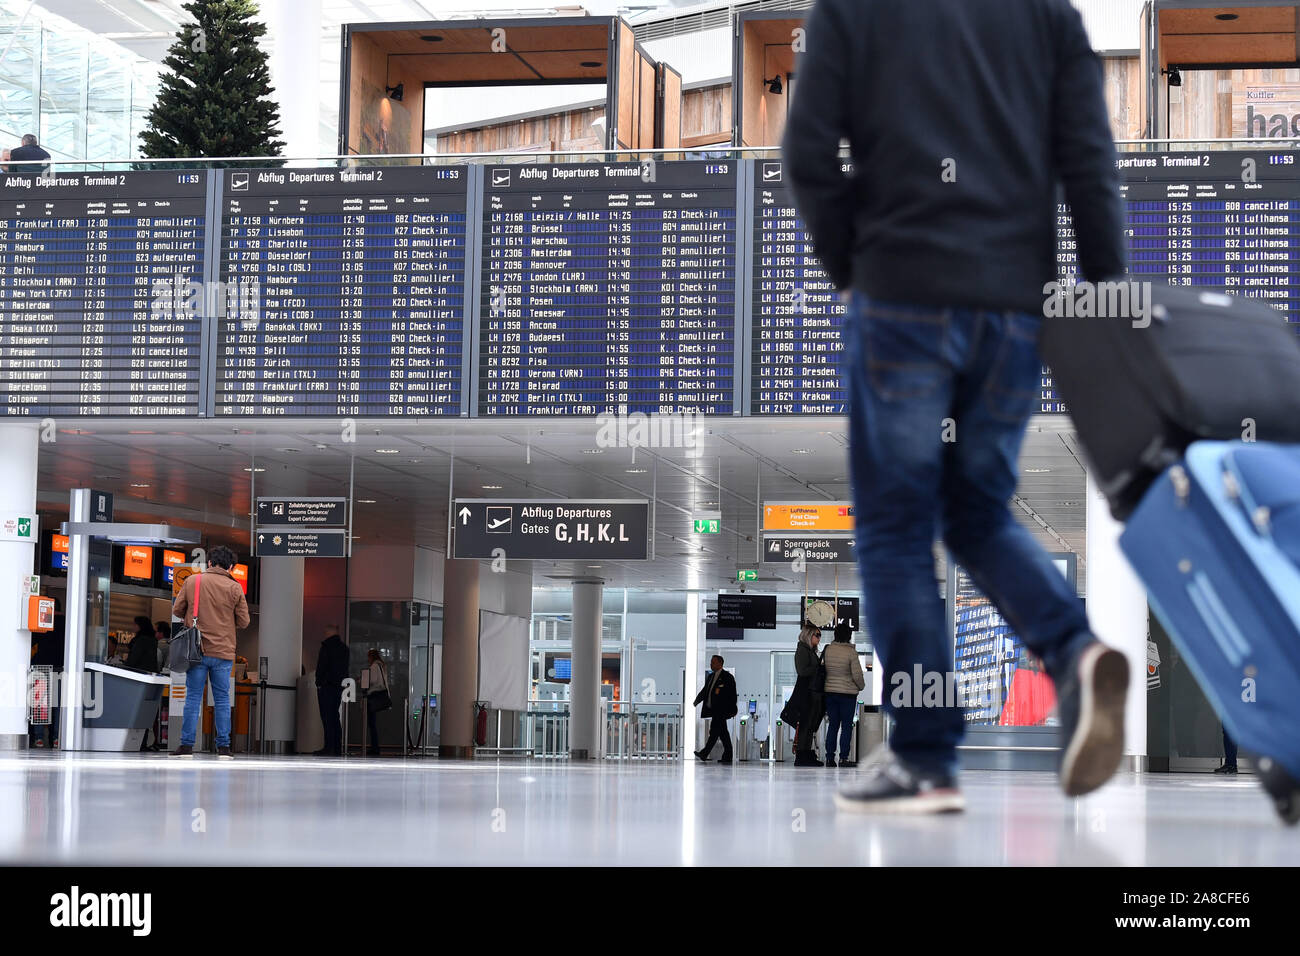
<point>1259,516</point>
<point>1217,620</point>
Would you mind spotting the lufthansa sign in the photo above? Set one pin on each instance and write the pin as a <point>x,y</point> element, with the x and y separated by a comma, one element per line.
<point>560,530</point>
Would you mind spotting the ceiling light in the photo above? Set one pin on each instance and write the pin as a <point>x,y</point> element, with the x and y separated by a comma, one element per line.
<point>594,567</point>
<point>637,471</point>
<point>801,451</point>
<point>774,85</point>
<point>365,501</point>
<point>136,484</point>
<point>412,461</point>
<point>1037,471</point>
<point>319,445</point>
<point>492,487</point>
<point>396,92</point>
<point>388,451</point>
<point>593,451</point>
<point>255,469</point>
<point>288,451</point>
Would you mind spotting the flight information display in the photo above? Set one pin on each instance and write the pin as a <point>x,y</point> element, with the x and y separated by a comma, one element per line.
<point>1225,220</point>
<point>100,282</point>
<point>608,288</point>
<point>345,292</point>
<point>798,317</point>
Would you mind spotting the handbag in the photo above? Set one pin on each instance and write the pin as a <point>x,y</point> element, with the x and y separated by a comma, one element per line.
<point>380,700</point>
<point>186,647</point>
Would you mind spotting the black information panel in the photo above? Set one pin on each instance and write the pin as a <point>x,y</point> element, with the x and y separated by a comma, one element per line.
<point>608,288</point>
<point>798,316</point>
<point>357,284</point>
<point>100,293</point>
<point>753,611</point>
<point>551,530</point>
<point>1228,220</point>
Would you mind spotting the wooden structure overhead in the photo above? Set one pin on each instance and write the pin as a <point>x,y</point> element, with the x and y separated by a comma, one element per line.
<point>1223,34</point>
<point>642,98</point>
<point>764,52</point>
<point>1207,35</point>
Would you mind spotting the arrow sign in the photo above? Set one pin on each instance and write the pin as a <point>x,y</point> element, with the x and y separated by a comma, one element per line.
<point>464,515</point>
<point>828,549</point>
<point>302,544</point>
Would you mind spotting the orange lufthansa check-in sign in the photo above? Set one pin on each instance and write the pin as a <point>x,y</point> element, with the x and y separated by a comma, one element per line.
<point>815,517</point>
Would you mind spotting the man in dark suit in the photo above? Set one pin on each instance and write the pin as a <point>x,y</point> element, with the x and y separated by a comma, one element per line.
<point>331,672</point>
<point>29,151</point>
<point>719,698</point>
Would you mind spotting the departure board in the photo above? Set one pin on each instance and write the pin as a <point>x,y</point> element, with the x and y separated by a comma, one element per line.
<point>345,292</point>
<point>100,294</point>
<point>608,288</point>
<point>1227,220</point>
<point>798,317</point>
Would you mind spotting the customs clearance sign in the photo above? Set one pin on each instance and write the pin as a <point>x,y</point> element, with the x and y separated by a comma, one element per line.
<point>554,530</point>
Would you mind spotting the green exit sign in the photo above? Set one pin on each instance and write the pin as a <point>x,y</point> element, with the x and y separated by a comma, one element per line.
<point>746,575</point>
<point>707,522</point>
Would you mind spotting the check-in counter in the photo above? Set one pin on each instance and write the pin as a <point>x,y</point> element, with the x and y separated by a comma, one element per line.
<point>127,705</point>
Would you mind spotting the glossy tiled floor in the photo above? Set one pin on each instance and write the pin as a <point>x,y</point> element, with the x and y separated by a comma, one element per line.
<point>137,809</point>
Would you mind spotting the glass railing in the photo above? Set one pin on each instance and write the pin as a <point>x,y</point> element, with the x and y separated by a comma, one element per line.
<point>558,156</point>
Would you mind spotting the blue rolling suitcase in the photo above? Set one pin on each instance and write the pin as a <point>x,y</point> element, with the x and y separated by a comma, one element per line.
<point>1216,541</point>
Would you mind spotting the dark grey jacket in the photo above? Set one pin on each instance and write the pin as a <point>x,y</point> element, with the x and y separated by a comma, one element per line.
<point>963,117</point>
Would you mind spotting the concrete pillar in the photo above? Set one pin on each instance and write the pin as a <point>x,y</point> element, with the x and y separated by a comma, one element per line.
<point>279,639</point>
<point>584,684</point>
<point>1118,614</point>
<point>21,442</point>
<point>294,28</point>
<point>694,669</point>
<point>459,657</point>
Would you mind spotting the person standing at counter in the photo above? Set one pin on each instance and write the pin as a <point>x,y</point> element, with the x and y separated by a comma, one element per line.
<point>219,609</point>
<point>143,652</point>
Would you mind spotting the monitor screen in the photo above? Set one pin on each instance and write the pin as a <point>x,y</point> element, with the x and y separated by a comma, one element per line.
<point>57,550</point>
<point>137,562</point>
<point>171,560</point>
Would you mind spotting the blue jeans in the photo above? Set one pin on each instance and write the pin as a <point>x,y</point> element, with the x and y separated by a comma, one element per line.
<point>939,402</point>
<point>839,717</point>
<point>196,679</point>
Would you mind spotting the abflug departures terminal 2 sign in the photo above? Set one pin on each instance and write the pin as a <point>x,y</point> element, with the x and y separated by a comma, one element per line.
<point>551,530</point>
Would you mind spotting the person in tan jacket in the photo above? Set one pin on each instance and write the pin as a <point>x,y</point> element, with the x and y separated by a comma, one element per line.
<point>219,602</point>
<point>844,680</point>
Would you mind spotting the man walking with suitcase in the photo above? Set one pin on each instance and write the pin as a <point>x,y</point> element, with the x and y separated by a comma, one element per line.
<point>945,233</point>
